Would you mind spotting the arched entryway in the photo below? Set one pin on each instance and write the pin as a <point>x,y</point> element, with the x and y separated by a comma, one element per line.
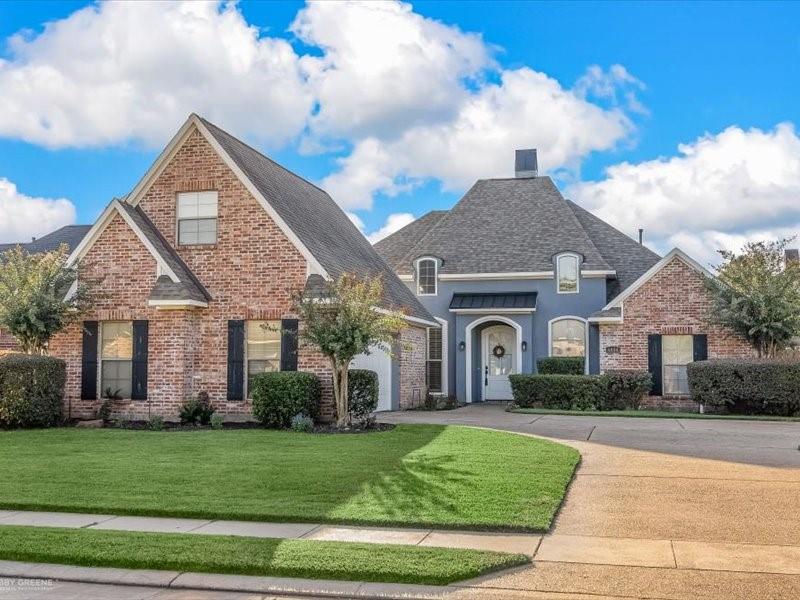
<point>494,351</point>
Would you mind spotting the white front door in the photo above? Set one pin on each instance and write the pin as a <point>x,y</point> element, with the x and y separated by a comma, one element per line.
<point>499,361</point>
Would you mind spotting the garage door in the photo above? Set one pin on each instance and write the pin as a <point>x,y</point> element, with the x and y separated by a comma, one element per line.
<point>380,361</point>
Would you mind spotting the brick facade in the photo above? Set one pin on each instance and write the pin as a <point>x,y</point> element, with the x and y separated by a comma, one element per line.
<point>673,301</point>
<point>7,343</point>
<point>250,273</point>
<point>412,357</point>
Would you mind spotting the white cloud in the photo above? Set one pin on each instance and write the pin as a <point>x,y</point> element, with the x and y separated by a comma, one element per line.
<point>384,68</point>
<point>525,109</point>
<point>394,222</point>
<point>720,191</point>
<point>123,71</point>
<point>610,84</point>
<point>23,217</point>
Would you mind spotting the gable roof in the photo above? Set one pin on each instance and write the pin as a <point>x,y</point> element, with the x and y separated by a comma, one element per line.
<point>71,235</point>
<point>394,248</point>
<point>504,226</point>
<point>628,257</point>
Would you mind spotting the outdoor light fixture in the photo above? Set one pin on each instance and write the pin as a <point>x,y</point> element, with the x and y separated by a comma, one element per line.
<point>461,346</point>
<point>524,346</point>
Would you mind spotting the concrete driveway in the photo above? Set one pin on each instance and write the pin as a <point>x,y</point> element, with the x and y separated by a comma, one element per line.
<point>660,508</point>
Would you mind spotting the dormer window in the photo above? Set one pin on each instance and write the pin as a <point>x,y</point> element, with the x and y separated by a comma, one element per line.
<point>567,273</point>
<point>427,275</point>
<point>197,218</point>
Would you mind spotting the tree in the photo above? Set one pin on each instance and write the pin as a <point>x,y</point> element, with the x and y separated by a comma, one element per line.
<point>34,299</point>
<point>344,321</point>
<point>757,294</point>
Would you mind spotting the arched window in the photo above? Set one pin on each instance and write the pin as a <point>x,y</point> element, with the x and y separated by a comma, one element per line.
<point>567,273</point>
<point>426,276</point>
<point>568,337</point>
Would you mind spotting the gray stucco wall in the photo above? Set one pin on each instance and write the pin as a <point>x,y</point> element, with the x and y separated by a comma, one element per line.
<point>550,304</point>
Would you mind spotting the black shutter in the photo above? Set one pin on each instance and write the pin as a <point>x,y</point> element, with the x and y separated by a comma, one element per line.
<point>700,343</point>
<point>289,344</point>
<point>139,371</point>
<point>89,361</point>
<point>654,362</point>
<point>235,360</point>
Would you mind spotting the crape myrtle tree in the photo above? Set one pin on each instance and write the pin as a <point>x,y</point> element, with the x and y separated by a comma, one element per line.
<point>35,302</point>
<point>343,320</point>
<point>757,294</point>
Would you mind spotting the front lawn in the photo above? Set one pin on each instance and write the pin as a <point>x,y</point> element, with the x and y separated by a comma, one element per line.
<point>652,414</point>
<point>413,475</point>
<point>250,556</point>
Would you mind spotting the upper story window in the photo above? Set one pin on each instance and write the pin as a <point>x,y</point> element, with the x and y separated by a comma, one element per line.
<point>197,218</point>
<point>426,276</point>
<point>567,271</point>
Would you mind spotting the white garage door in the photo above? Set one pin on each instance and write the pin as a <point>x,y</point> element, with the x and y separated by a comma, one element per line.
<point>380,361</point>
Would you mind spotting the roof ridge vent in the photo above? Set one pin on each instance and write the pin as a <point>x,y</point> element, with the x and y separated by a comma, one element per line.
<point>526,164</point>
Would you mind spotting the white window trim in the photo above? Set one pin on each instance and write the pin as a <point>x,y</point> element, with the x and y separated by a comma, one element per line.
<point>577,272</point>
<point>585,337</point>
<point>100,358</point>
<point>178,219</point>
<point>435,275</point>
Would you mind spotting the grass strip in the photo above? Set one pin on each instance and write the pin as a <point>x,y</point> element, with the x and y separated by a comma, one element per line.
<point>412,476</point>
<point>250,556</point>
<point>651,414</point>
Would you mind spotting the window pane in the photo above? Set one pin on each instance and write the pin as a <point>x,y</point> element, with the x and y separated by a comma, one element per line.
<point>193,205</point>
<point>434,375</point>
<point>264,341</point>
<point>197,231</point>
<point>676,380</point>
<point>676,352</point>
<point>426,277</point>
<point>568,338</point>
<point>117,340</point>
<point>187,205</point>
<point>116,377</point>
<point>434,343</point>
<point>567,274</point>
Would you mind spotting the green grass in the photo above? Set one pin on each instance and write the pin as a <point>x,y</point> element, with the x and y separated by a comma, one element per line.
<point>413,475</point>
<point>250,556</point>
<point>652,414</point>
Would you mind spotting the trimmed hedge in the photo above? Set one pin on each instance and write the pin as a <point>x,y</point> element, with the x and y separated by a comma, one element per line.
<point>362,390</point>
<point>561,365</point>
<point>564,392</point>
<point>31,390</point>
<point>625,388</point>
<point>279,396</point>
<point>764,387</point>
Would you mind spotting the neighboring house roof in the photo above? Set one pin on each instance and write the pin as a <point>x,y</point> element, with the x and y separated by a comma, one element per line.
<point>319,223</point>
<point>71,235</point>
<point>503,226</point>
<point>395,247</point>
<point>628,257</point>
<point>488,300</point>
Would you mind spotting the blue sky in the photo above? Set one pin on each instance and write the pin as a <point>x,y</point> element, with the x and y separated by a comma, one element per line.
<point>677,117</point>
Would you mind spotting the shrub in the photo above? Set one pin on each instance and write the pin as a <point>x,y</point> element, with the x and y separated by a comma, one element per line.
<point>217,421</point>
<point>279,396</point>
<point>302,424</point>
<point>770,387</point>
<point>197,410</point>
<point>31,390</point>
<point>563,392</point>
<point>155,423</point>
<point>625,388</point>
<point>362,386</point>
<point>561,365</point>
<point>104,412</point>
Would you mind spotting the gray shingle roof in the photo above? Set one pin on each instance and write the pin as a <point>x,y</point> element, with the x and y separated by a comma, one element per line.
<point>394,248</point>
<point>318,222</point>
<point>502,226</point>
<point>628,257</point>
<point>614,312</point>
<point>502,300</point>
<point>71,235</point>
<point>189,287</point>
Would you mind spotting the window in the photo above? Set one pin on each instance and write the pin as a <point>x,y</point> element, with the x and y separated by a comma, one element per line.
<point>426,277</point>
<point>568,337</point>
<point>676,351</point>
<point>116,359</point>
<point>197,218</point>
<point>433,367</point>
<point>567,273</point>
<point>263,350</point>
